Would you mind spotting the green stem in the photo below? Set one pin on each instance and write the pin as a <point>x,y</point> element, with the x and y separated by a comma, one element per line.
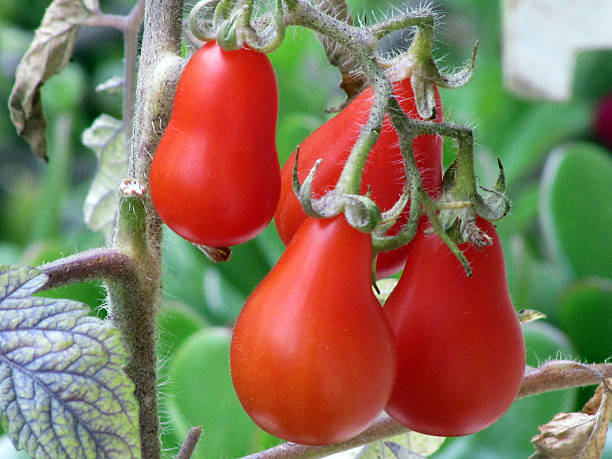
<point>130,50</point>
<point>352,173</point>
<point>138,232</point>
<point>424,20</point>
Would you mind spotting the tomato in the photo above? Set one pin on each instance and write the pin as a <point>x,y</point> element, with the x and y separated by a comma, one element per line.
<point>461,354</point>
<point>215,177</point>
<point>384,172</point>
<point>312,356</point>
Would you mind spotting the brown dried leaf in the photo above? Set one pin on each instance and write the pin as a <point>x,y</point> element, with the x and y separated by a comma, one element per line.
<point>353,80</point>
<point>529,315</point>
<point>577,435</point>
<point>47,55</point>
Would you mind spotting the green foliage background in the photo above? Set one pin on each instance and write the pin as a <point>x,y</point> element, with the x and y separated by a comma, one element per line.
<point>556,239</point>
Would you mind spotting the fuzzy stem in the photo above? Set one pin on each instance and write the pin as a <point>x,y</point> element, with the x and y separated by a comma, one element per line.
<point>302,12</point>
<point>551,376</point>
<point>93,264</point>
<point>423,19</point>
<point>130,47</point>
<point>133,308</point>
<point>190,443</point>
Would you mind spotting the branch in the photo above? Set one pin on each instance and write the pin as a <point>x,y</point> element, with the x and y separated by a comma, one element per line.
<point>554,375</point>
<point>190,443</point>
<point>562,374</point>
<point>138,228</point>
<point>383,427</point>
<point>101,263</point>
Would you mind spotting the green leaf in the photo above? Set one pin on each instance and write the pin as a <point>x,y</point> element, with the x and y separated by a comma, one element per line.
<point>533,283</point>
<point>200,392</point>
<point>63,393</point>
<point>577,210</point>
<point>177,322</point>
<point>585,313</point>
<point>539,130</point>
<point>106,137</point>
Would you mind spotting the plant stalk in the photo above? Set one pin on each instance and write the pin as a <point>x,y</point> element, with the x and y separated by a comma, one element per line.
<point>138,232</point>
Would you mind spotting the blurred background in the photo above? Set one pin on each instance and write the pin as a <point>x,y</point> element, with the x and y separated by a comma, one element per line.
<point>557,238</point>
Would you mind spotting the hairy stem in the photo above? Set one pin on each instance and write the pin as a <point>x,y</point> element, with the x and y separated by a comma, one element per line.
<point>93,264</point>
<point>133,308</point>
<point>130,46</point>
<point>551,376</point>
<point>190,443</point>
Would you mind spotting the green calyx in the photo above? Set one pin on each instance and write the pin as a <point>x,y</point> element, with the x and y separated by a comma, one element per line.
<point>232,25</point>
<point>461,204</point>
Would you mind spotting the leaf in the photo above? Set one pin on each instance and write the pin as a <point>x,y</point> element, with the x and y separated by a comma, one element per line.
<point>581,435</point>
<point>410,445</point>
<point>353,79</point>
<point>585,314</point>
<point>529,315</point>
<point>401,452</point>
<point>106,137</point>
<point>47,55</point>
<point>200,392</point>
<point>63,393</point>
<point>576,211</point>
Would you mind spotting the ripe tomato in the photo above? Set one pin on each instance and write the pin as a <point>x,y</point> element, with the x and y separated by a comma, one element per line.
<point>215,177</point>
<point>383,173</point>
<point>461,354</point>
<point>312,356</point>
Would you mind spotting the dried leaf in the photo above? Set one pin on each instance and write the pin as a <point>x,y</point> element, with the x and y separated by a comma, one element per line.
<point>580,435</point>
<point>63,391</point>
<point>106,137</point>
<point>47,55</point>
<point>410,445</point>
<point>401,452</point>
<point>353,80</point>
<point>529,315</point>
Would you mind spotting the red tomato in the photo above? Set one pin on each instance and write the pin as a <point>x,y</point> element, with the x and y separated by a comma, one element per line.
<point>312,356</point>
<point>384,171</point>
<point>215,177</point>
<point>461,354</point>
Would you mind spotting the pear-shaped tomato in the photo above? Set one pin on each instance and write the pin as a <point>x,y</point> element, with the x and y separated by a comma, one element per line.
<point>312,356</point>
<point>383,174</point>
<point>461,354</point>
<point>215,177</point>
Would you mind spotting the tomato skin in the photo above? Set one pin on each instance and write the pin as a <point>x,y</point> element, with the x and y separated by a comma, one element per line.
<point>384,172</point>
<point>215,176</point>
<point>461,353</point>
<point>312,356</point>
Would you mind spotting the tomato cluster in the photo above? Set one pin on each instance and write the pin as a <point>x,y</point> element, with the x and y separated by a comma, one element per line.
<point>314,356</point>
<point>383,175</point>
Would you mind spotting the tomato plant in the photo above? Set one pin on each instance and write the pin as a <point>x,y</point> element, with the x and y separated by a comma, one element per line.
<point>215,176</point>
<point>312,356</point>
<point>383,174</point>
<point>461,355</point>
